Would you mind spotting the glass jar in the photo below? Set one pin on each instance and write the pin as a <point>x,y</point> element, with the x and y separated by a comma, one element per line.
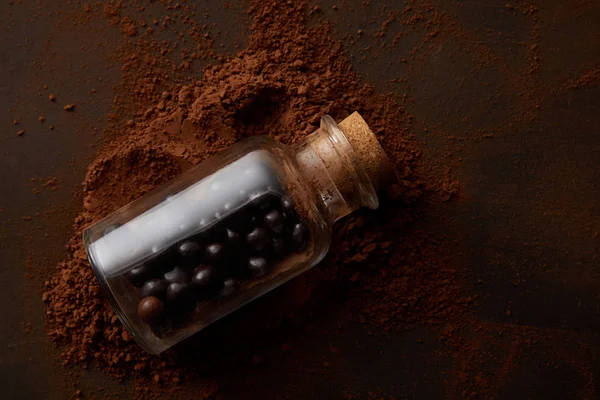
<point>232,228</point>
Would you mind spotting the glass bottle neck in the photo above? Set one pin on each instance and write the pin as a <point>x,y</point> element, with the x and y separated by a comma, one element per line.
<point>334,172</point>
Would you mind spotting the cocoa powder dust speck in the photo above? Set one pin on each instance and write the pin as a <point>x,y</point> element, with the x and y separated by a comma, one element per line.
<point>292,73</point>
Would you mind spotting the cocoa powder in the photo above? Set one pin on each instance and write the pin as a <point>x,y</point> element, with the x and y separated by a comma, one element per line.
<point>291,74</point>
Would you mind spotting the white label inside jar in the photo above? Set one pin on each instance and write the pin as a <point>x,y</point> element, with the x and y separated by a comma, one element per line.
<point>186,213</point>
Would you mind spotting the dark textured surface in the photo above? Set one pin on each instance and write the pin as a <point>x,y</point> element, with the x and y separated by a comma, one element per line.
<point>528,211</point>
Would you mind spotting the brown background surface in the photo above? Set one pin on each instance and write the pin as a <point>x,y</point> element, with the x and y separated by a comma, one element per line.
<point>528,207</point>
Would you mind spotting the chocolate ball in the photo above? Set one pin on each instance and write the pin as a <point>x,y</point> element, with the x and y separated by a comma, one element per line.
<point>190,252</point>
<point>151,310</point>
<point>177,275</point>
<point>230,286</point>
<point>258,266</point>
<point>138,275</point>
<point>180,294</point>
<point>261,203</point>
<point>288,207</point>
<point>233,237</point>
<point>163,261</point>
<point>300,236</point>
<point>257,239</point>
<point>215,253</point>
<point>154,288</point>
<point>206,282</point>
<point>287,204</point>
<point>274,221</point>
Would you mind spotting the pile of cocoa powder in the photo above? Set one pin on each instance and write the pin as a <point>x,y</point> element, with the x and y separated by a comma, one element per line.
<point>383,273</point>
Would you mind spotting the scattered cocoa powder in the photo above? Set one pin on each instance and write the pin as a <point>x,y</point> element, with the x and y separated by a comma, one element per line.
<point>383,271</point>
<point>51,182</point>
<point>587,80</point>
<point>280,86</point>
<point>128,27</point>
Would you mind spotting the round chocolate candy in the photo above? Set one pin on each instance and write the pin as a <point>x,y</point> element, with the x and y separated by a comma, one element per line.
<point>300,236</point>
<point>263,202</point>
<point>233,237</point>
<point>230,286</point>
<point>258,266</point>
<point>288,207</point>
<point>180,294</point>
<point>162,261</point>
<point>151,310</point>
<point>287,204</point>
<point>190,252</point>
<point>206,282</point>
<point>257,239</point>
<point>138,275</point>
<point>215,253</point>
<point>274,222</point>
<point>154,288</point>
<point>177,275</point>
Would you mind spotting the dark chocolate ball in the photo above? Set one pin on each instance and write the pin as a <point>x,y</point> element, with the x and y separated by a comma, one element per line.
<point>230,286</point>
<point>206,281</point>
<point>263,202</point>
<point>257,239</point>
<point>151,310</point>
<point>233,237</point>
<point>287,204</point>
<point>300,236</point>
<point>138,275</point>
<point>215,253</point>
<point>258,266</point>
<point>190,252</point>
<point>180,294</point>
<point>177,275</point>
<point>162,261</point>
<point>274,221</point>
<point>154,288</point>
<point>288,207</point>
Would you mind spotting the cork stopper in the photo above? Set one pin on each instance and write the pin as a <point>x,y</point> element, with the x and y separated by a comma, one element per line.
<point>377,165</point>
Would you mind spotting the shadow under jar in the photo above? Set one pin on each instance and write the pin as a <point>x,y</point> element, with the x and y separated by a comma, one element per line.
<point>232,228</point>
